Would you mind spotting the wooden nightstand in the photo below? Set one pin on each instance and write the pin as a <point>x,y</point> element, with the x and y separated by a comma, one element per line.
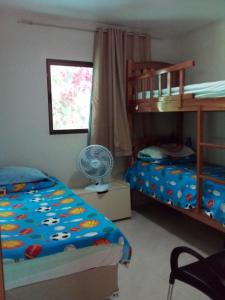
<point>115,204</point>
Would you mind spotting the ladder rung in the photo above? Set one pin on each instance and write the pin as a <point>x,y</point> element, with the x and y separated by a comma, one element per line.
<point>216,180</point>
<point>208,145</point>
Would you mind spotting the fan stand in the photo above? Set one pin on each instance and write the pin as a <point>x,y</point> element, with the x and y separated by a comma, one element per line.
<point>98,187</point>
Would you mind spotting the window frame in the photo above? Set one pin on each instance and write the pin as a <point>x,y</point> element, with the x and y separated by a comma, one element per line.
<point>61,62</point>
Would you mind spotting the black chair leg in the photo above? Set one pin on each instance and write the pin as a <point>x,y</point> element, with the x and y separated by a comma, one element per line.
<point>170,292</point>
<point>171,286</point>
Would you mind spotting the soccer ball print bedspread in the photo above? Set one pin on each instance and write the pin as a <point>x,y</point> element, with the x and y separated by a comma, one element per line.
<point>48,220</point>
<point>176,184</point>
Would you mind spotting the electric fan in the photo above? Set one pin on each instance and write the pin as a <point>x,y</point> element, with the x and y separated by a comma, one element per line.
<point>96,162</point>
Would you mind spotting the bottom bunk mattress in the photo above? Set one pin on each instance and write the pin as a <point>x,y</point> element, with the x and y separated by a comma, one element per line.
<point>45,218</point>
<point>177,185</point>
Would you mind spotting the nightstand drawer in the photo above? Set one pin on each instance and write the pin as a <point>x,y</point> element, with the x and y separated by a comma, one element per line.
<point>114,204</point>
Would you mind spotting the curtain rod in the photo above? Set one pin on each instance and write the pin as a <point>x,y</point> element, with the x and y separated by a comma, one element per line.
<point>29,22</point>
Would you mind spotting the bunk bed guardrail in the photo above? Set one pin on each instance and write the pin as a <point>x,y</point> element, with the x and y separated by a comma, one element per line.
<point>142,81</point>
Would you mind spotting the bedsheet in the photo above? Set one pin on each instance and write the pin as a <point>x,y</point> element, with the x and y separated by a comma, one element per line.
<point>46,221</point>
<point>177,185</point>
<point>203,90</point>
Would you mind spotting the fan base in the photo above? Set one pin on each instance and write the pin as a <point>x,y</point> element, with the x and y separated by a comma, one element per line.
<point>98,188</point>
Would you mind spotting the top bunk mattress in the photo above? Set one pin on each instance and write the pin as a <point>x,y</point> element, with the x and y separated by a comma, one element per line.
<point>203,90</point>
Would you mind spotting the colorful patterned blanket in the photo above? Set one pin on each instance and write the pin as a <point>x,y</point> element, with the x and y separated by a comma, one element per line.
<point>176,185</point>
<point>39,219</point>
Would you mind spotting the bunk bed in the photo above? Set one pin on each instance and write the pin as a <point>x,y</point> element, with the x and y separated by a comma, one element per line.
<point>160,87</point>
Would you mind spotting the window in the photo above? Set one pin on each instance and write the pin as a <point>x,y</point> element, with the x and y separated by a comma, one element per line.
<point>69,95</point>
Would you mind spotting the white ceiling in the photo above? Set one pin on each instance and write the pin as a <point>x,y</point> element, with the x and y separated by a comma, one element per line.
<point>160,17</point>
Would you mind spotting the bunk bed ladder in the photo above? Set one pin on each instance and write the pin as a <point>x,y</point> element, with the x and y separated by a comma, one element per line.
<point>200,148</point>
<point>200,128</point>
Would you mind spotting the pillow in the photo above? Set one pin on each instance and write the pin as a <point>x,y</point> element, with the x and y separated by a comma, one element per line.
<point>165,151</point>
<point>158,161</point>
<point>11,175</point>
<point>168,160</point>
<point>153,152</point>
<point>27,187</point>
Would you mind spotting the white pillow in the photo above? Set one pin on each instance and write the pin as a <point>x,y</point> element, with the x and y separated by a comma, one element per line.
<point>154,152</point>
<point>172,150</point>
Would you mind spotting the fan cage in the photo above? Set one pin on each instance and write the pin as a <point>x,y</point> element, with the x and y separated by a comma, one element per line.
<point>92,152</point>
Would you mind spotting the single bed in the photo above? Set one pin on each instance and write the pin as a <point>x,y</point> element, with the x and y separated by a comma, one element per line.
<point>51,238</point>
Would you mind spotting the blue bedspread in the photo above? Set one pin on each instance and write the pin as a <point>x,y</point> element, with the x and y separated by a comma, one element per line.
<point>176,185</point>
<point>51,219</point>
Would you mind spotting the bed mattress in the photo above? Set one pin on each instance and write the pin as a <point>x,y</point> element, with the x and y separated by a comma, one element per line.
<point>177,185</point>
<point>200,90</point>
<point>61,264</point>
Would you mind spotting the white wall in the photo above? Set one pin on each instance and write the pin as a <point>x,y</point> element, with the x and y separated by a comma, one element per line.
<point>24,133</point>
<point>24,107</point>
<point>166,50</point>
<point>207,47</point>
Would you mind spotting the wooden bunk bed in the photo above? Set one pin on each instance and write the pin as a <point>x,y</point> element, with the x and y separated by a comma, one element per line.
<point>147,77</point>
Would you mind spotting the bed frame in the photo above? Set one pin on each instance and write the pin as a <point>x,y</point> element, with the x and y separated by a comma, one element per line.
<point>158,75</point>
<point>97,283</point>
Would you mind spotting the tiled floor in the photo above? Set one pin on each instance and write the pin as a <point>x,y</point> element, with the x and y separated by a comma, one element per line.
<point>153,232</point>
